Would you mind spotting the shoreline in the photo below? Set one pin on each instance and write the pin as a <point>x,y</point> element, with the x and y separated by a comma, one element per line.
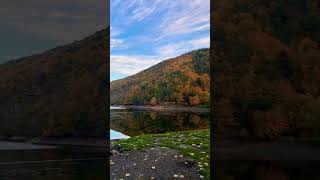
<point>53,141</point>
<point>170,108</point>
<point>71,141</point>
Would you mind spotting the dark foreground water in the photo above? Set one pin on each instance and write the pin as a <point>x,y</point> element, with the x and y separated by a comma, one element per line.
<point>267,170</point>
<point>137,122</point>
<point>25,161</point>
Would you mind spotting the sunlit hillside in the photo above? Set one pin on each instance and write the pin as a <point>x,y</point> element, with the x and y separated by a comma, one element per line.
<point>183,80</point>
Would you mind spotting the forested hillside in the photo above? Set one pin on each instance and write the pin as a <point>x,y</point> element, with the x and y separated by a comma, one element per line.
<point>266,67</point>
<point>183,80</point>
<point>61,92</point>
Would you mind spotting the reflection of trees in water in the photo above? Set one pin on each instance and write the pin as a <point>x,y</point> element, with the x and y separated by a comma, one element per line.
<point>265,171</point>
<point>153,115</point>
<point>142,122</point>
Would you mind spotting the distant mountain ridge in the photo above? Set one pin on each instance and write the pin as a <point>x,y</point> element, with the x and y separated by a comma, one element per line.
<point>183,80</point>
<point>57,93</point>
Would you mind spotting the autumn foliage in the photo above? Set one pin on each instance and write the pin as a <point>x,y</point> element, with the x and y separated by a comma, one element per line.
<point>266,70</point>
<point>61,92</point>
<point>183,80</point>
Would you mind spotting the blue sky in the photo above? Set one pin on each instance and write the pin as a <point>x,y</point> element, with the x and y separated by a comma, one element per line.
<point>145,32</point>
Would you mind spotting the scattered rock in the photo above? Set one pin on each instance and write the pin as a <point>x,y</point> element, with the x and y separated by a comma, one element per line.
<point>186,162</point>
<point>156,165</point>
<point>114,152</point>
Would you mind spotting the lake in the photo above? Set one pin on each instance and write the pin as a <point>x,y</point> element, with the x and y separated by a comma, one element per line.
<point>27,161</point>
<point>266,170</point>
<point>129,122</point>
<point>136,122</point>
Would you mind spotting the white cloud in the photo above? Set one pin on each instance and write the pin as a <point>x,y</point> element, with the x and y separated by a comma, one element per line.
<point>131,64</point>
<point>175,49</point>
<point>141,13</point>
<point>194,16</point>
<point>176,17</point>
<point>145,9</point>
<point>128,65</point>
<point>202,42</point>
<point>171,28</point>
<point>116,43</point>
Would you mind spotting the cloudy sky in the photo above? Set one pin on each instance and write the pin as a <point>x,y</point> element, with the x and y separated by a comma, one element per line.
<point>144,32</point>
<point>28,27</point>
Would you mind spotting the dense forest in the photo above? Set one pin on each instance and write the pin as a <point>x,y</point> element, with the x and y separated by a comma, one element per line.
<point>61,92</point>
<point>266,70</point>
<point>183,80</point>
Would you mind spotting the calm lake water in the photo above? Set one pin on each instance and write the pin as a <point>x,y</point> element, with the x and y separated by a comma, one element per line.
<point>266,170</point>
<point>26,161</point>
<point>136,122</point>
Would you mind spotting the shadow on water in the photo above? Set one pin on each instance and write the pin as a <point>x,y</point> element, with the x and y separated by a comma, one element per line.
<point>266,170</point>
<point>137,122</point>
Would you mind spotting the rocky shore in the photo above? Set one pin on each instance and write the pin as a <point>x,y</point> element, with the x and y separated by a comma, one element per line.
<point>184,155</point>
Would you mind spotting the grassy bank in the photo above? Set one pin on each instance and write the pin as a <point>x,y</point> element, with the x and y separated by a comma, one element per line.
<point>191,144</point>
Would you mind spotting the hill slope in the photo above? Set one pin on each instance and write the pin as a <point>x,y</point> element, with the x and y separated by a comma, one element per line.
<point>183,80</point>
<point>59,92</point>
<point>266,67</point>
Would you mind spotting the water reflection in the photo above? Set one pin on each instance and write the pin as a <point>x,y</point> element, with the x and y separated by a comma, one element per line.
<point>136,122</point>
<point>265,170</point>
<point>64,163</point>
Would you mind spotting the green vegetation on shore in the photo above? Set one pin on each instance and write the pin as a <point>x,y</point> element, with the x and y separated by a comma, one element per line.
<point>193,144</point>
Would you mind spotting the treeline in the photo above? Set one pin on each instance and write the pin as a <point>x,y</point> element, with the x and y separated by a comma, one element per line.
<point>178,81</point>
<point>266,70</point>
<point>62,92</point>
